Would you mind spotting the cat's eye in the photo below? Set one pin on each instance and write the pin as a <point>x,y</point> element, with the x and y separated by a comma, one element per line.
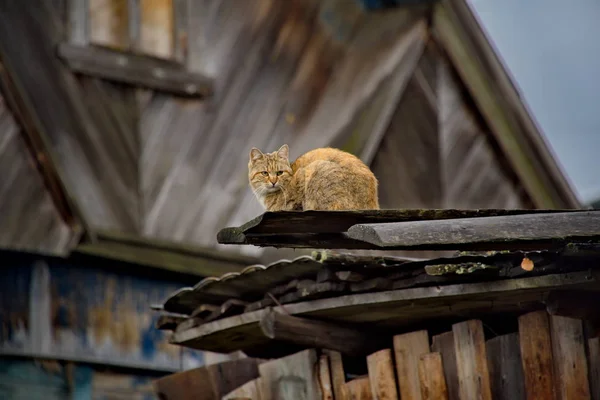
<point>265,173</point>
<point>279,173</point>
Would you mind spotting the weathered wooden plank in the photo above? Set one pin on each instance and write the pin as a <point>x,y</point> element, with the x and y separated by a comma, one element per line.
<point>536,355</point>
<point>325,378</point>
<point>546,229</point>
<point>431,377</point>
<point>207,383</point>
<point>505,367</point>
<point>444,344</point>
<point>381,375</point>
<point>288,222</point>
<point>318,334</point>
<point>338,376</point>
<point>357,389</point>
<point>134,69</point>
<point>471,360</point>
<point>250,390</point>
<point>594,366</point>
<point>291,377</point>
<point>396,308</point>
<point>457,30</point>
<point>570,365</point>
<point>408,348</point>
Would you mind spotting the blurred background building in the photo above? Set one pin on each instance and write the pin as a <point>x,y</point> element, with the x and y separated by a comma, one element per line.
<point>125,128</point>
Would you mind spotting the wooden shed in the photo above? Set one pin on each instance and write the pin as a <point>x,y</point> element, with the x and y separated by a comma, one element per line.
<point>511,315</point>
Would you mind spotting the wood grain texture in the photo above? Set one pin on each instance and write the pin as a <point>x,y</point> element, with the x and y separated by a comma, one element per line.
<point>534,229</point>
<point>325,382</point>
<point>506,368</point>
<point>431,377</point>
<point>570,365</point>
<point>30,219</point>
<point>444,344</point>
<point>318,334</point>
<point>338,375</point>
<point>462,37</point>
<point>250,390</point>
<point>471,360</point>
<point>381,375</point>
<point>536,355</point>
<point>357,389</point>
<point>408,348</point>
<point>207,383</point>
<point>594,366</point>
<point>396,308</point>
<point>291,377</point>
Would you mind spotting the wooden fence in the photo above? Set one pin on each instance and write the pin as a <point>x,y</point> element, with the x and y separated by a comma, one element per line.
<point>549,358</point>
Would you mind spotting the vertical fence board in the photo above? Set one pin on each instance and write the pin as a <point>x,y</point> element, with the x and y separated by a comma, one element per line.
<point>536,355</point>
<point>506,370</point>
<point>381,375</point>
<point>444,344</point>
<point>570,364</point>
<point>325,378</point>
<point>357,389</point>
<point>292,377</point>
<point>431,377</point>
<point>408,348</point>
<point>594,361</point>
<point>338,376</point>
<point>471,361</point>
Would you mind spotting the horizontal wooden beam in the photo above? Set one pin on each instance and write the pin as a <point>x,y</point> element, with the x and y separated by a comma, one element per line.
<point>535,230</point>
<point>574,304</point>
<point>393,309</point>
<point>318,334</point>
<point>134,69</point>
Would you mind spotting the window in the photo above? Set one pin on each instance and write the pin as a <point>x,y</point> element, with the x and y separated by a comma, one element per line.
<point>139,42</point>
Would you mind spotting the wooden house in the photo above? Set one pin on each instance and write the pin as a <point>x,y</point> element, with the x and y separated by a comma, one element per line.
<point>124,134</point>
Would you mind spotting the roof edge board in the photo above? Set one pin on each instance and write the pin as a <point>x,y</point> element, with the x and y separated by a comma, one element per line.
<point>510,121</point>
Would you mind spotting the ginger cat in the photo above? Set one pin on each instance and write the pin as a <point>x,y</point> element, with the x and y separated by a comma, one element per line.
<point>321,179</point>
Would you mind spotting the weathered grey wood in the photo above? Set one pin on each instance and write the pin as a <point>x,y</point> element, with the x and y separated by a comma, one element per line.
<point>134,24</point>
<point>207,383</point>
<point>431,377</point>
<point>317,334</point>
<point>444,344</point>
<point>288,222</point>
<point>134,69</point>
<point>250,390</point>
<point>292,377</point>
<point>570,365</point>
<point>499,102</point>
<point>594,366</point>
<point>408,348</point>
<point>505,367</point>
<point>536,355</point>
<point>381,375</point>
<point>79,22</point>
<point>471,360</point>
<point>504,231</point>
<point>181,24</point>
<point>396,308</point>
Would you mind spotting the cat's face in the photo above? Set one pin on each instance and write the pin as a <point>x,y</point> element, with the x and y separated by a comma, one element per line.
<point>269,172</point>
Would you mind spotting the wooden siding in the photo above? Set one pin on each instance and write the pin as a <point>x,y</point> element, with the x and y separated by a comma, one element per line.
<point>30,221</point>
<point>473,173</point>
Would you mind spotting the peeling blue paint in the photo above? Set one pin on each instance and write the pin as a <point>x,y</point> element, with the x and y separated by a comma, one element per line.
<point>56,309</point>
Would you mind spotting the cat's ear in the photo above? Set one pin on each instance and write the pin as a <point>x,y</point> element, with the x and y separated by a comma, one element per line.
<point>284,151</point>
<point>255,154</point>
